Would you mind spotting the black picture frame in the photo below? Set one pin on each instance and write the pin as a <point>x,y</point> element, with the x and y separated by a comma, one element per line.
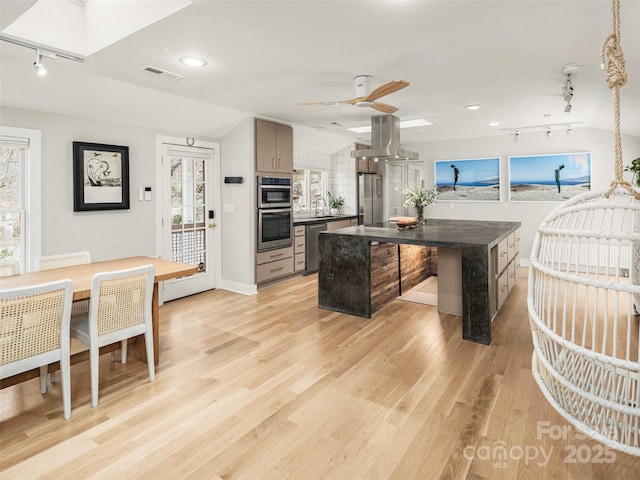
<point>100,177</point>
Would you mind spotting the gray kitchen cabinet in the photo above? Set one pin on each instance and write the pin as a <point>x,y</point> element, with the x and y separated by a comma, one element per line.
<point>274,147</point>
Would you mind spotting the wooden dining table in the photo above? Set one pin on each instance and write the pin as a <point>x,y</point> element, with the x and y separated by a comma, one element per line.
<point>82,276</point>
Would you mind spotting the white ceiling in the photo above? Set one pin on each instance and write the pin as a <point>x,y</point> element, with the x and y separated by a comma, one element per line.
<point>264,56</point>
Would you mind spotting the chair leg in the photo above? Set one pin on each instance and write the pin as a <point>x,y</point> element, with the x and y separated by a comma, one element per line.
<point>65,379</point>
<point>94,360</point>
<point>148,340</point>
<point>123,351</point>
<point>43,379</point>
<point>52,377</point>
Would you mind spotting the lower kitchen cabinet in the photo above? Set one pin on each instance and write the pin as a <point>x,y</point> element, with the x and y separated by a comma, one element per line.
<point>274,264</point>
<point>298,248</point>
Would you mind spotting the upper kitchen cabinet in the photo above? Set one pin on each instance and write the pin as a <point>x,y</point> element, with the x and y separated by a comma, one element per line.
<point>364,165</point>
<point>274,147</point>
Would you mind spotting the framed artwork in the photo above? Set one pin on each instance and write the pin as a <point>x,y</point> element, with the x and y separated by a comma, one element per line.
<point>475,179</point>
<point>100,177</point>
<point>549,178</point>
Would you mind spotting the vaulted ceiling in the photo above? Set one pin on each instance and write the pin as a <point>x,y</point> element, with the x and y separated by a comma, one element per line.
<point>264,57</point>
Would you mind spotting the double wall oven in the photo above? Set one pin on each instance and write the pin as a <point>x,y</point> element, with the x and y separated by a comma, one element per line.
<point>275,213</point>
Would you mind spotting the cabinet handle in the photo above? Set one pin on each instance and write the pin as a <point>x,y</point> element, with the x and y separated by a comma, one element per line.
<point>275,269</point>
<point>273,162</point>
<point>276,255</point>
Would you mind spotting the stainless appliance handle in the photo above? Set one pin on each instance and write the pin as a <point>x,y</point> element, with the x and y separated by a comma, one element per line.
<point>275,210</point>
<point>275,187</point>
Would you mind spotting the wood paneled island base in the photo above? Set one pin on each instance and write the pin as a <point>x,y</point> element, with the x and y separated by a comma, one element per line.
<point>350,280</point>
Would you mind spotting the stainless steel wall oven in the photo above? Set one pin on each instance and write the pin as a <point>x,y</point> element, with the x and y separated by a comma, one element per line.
<point>275,213</point>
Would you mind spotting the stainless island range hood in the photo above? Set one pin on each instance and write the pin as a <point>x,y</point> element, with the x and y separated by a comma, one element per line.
<point>385,141</point>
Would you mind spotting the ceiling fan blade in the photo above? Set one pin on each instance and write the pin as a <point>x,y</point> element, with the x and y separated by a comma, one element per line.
<point>352,102</point>
<point>386,89</point>
<point>384,107</point>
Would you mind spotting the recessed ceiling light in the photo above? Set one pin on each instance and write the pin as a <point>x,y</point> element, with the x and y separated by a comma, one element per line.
<point>473,106</point>
<point>493,124</point>
<point>193,61</point>
<point>420,122</point>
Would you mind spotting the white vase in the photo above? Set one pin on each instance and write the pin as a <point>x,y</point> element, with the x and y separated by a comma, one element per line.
<point>335,211</point>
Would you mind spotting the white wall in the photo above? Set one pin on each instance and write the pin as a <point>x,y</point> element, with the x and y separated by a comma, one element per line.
<point>106,234</point>
<point>599,142</point>
<point>238,217</point>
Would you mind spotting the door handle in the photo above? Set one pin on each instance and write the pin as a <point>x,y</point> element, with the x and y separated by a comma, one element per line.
<point>212,225</point>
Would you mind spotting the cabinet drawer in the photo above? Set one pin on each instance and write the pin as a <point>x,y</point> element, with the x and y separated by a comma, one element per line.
<point>298,262</point>
<point>276,269</point>
<point>298,231</point>
<point>272,255</point>
<point>503,252</point>
<point>298,245</point>
<point>511,246</point>
<point>511,275</point>
<point>353,222</point>
<point>503,288</point>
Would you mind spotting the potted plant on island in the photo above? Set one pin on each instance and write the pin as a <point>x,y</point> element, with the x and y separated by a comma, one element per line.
<point>418,197</point>
<point>335,203</point>
<point>635,168</point>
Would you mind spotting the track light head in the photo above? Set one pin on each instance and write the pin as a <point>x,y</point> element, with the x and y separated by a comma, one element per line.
<point>567,109</point>
<point>548,132</point>
<point>38,66</point>
<point>516,136</point>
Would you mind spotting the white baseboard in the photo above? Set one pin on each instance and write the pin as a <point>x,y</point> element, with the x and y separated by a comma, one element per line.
<point>243,288</point>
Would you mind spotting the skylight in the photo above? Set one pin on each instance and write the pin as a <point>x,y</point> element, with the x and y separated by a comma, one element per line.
<point>83,28</point>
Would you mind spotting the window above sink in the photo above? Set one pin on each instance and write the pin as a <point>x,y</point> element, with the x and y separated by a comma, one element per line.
<point>309,184</point>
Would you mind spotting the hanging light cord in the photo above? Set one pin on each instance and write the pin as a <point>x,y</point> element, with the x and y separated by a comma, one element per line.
<point>616,76</point>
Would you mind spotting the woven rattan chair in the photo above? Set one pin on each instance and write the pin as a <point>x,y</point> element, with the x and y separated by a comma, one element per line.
<point>119,309</point>
<point>49,262</point>
<point>583,301</point>
<point>35,332</point>
<point>9,268</point>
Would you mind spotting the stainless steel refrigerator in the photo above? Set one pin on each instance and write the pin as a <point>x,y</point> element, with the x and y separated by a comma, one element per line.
<point>370,199</point>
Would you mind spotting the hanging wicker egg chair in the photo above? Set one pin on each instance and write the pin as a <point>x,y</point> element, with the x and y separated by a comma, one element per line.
<point>584,298</point>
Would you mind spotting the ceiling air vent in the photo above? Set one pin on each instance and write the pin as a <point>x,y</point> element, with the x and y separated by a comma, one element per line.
<point>161,73</point>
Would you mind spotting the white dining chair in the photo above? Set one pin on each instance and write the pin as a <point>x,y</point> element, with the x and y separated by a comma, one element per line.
<point>49,262</point>
<point>119,309</point>
<point>35,332</point>
<point>9,267</point>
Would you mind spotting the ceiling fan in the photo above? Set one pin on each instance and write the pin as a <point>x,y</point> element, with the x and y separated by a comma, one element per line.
<point>366,98</point>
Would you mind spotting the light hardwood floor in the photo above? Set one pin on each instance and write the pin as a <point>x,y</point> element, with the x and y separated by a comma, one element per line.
<point>271,387</point>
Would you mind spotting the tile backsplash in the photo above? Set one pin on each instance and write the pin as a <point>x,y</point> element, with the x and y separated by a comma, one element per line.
<point>342,173</point>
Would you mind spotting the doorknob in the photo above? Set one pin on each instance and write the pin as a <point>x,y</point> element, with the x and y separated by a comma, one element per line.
<point>212,225</point>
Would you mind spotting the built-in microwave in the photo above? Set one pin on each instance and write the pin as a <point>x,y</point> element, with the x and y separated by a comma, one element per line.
<point>274,192</point>
<point>275,228</point>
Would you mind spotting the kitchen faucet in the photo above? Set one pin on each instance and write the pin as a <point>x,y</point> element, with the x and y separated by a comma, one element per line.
<point>324,203</point>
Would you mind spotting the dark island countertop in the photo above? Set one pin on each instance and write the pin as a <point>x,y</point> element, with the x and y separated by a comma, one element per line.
<point>345,266</point>
<point>435,232</point>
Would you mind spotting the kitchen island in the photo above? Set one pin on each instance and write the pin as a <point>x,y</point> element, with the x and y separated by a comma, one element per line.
<point>345,282</point>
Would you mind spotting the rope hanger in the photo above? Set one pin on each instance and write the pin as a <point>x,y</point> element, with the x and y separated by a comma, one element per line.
<point>616,76</point>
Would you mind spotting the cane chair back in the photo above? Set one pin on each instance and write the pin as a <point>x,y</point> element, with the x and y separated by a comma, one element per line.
<point>50,262</point>
<point>9,268</point>
<point>120,308</point>
<point>34,332</point>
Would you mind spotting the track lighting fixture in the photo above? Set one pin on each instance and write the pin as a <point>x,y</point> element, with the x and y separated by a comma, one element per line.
<point>567,92</point>
<point>548,132</point>
<point>547,128</point>
<point>569,131</point>
<point>515,137</point>
<point>38,66</point>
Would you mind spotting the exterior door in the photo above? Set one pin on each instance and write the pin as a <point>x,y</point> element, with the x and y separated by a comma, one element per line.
<point>190,233</point>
